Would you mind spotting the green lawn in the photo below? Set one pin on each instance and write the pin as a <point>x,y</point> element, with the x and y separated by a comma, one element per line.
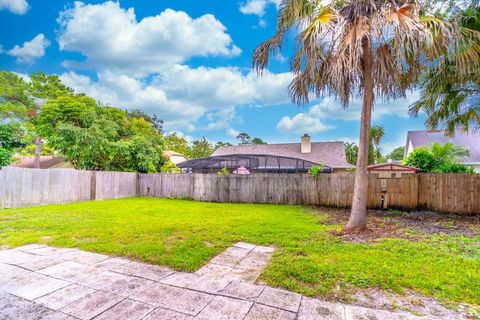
<point>186,234</point>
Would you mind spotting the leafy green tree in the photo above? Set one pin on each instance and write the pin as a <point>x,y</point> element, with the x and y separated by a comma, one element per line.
<point>156,122</point>
<point>10,138</point>
<point>220,144</point>
<point>396,154</point>
<point>200,149</point>
<point>98,137</point>
<point>258,141</point>
<point>170,167</point>
<point>351,151</point>
<point>43,86</point>
<point>439,158</point>
<point>176,143</point>
<point>244,138</point>
<point>422,159</point>
<point>15,101</point>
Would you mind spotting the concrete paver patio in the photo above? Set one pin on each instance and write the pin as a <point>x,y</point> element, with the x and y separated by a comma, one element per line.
<point>41,282</point>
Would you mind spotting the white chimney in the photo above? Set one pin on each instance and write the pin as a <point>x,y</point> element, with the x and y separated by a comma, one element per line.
<point>305,145</point>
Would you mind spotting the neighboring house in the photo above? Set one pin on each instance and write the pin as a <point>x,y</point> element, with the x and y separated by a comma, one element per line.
<point>390,170</point>
<point>471,141</point>
<point>282,158</point>
<point>174,157</point>
<point>46,162</point>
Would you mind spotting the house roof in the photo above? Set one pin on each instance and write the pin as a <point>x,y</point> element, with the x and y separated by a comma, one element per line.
<point>46,162</point>
<point>170,153</point>
<point>470,140</point>
<point>331,154</point>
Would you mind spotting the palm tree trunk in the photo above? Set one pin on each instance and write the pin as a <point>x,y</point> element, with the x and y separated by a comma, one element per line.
<point>358,215</point>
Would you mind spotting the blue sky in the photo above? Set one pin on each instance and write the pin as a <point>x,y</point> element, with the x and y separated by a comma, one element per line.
<point>189,62</point>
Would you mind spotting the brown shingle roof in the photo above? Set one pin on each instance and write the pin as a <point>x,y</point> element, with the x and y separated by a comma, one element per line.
<point>331,154</point>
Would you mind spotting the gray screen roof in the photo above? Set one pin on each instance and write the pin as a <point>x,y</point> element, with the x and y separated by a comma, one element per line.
<point>331,154</point>
<point>470,140</point>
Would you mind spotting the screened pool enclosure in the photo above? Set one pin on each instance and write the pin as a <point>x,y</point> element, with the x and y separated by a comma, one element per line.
<point>250,163</point>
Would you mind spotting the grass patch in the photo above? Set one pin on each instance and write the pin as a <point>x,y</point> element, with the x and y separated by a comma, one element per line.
<point>186,234</point>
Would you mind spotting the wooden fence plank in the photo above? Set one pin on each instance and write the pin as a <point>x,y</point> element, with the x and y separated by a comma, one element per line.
<point>437,192</point>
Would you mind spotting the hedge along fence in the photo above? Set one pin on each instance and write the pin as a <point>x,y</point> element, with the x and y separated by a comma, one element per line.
<point>458,193</point>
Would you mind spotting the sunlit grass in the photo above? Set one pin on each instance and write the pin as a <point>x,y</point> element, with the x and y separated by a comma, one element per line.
<point>186,234</point>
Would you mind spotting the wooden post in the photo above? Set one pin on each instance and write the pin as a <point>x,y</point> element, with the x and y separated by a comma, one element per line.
<point>93,186</point>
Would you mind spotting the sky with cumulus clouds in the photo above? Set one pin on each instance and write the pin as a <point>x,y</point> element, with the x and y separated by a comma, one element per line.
<point>189,62</point>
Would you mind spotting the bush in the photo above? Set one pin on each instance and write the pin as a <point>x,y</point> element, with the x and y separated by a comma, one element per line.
<point>450,167</point>
<point>422,159</point>
<point>428,160</point>
<point>170,167</point>
<point>5,157</point>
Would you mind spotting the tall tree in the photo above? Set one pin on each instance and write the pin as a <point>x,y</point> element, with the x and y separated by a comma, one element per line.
<point>364,47</point>
<point>351,152</point>
<point>156,122</point>
<point>257,140</point>
<point>177,143</point>
<point>376,134</point>
<point>244,138</point>
<point>396,154</point>
<point>201,148</point>
<point>44,87</point>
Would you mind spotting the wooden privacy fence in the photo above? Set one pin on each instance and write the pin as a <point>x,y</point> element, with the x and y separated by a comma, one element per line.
<point>459,193</point>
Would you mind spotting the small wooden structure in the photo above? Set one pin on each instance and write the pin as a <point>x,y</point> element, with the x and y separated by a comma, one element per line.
<point>391,170</point>
<point>386,171</point>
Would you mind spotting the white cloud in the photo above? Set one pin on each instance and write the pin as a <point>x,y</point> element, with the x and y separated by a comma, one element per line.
<point>30,50</point>
<point>111,38</point>
<point>15,6</point>
<point>302,123</point>
<point>279,57</point>
<point>223,87</point>
<point>329,108</point>
<point>232,132</point>
<point>184,95</point>
<point>348,140</point>
<point>257,7</point>
<point>316,119</point>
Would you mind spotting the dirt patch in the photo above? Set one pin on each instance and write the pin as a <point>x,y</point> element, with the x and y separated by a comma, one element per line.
<point>413,303</point>
<point>405,225</point>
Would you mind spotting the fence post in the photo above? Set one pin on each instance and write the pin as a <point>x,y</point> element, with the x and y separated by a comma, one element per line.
<point>93,185</point>
<point>137,191</point>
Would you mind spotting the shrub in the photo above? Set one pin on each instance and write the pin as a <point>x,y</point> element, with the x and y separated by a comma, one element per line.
<point>315,170</point>
<point>438,158</point>
<point>170,167</point>
<point>223,172</point>
<point>451,167</point>
<point>422,159</point>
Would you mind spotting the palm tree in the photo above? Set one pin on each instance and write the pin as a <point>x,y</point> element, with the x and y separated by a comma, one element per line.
<point>376,134</point>
<point>450,98</point>
<point>448,151</point>
<point>363,47</point>
<point>351,152</point>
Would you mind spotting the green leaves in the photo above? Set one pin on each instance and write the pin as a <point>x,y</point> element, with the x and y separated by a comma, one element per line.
<point>439,158</point>
<point>10,138</point>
